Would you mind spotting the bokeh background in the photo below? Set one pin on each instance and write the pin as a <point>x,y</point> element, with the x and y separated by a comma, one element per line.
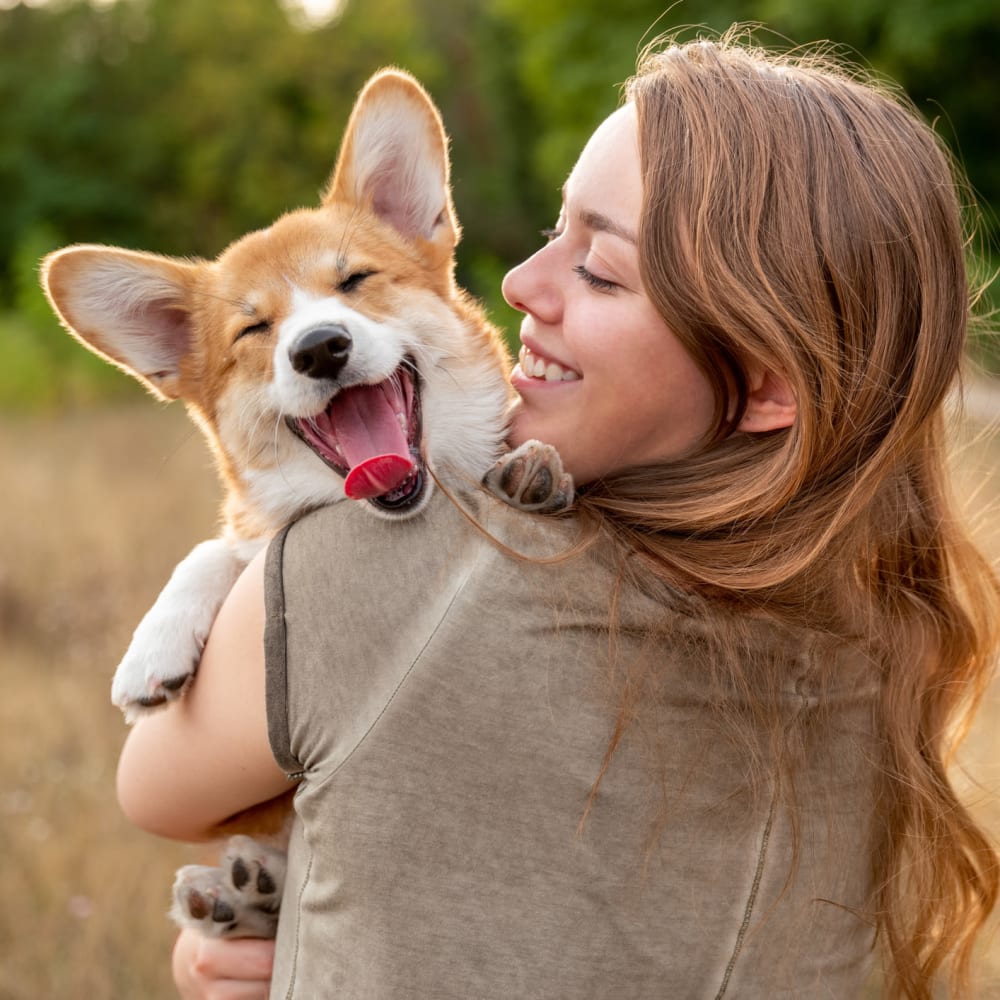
<point>178,125</point>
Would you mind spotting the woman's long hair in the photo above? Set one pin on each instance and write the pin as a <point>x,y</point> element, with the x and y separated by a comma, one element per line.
<point>804,220</point>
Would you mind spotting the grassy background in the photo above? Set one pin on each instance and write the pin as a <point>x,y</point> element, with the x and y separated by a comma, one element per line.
<point>97,507</point>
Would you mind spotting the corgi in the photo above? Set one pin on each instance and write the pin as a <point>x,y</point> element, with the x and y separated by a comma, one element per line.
<point>331,356</point>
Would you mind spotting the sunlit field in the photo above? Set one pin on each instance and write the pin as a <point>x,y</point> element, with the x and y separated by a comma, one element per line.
<point>96,509</point>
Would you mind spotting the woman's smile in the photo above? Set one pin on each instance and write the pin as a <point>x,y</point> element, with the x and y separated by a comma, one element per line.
<point>535,367</point>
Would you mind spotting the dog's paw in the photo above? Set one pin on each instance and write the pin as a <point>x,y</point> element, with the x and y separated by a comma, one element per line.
<point>531,478</point>
<point>240,898</point>
<point>166,647</point>
<point>156,668</point>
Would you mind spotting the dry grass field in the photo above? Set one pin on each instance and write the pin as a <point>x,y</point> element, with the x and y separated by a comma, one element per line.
<point>95,509</point>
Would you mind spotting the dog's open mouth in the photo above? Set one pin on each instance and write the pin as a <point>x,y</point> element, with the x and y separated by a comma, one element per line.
<point>370,435</point>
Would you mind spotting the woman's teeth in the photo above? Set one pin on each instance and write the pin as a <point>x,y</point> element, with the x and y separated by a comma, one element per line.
<point>535,367</point>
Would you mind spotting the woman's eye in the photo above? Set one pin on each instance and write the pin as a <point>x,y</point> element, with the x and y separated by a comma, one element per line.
<point>600,284</point>
<point>352,281</point>
<point>263,326</point>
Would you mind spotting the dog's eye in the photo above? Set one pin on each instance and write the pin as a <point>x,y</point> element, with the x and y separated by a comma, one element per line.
<point>262,327</point>
<point>352,281</point>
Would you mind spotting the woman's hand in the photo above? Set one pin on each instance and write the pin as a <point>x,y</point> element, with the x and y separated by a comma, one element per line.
<point>213,969</point>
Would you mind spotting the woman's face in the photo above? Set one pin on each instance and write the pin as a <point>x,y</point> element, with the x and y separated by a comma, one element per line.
<point>600,375</point>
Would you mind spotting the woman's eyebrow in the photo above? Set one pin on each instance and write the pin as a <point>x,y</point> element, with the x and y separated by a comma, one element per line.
<point>601,223</point>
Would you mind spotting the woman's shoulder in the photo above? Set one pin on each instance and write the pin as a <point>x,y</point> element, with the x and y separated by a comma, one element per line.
<point>350,542</point>
<point>449,521</point>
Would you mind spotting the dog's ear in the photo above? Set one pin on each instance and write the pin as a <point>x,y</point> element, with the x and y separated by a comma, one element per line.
<point>394,161</point>
<point>132,309</point>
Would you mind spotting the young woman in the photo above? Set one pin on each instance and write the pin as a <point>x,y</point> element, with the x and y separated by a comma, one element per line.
<point>696,742</point>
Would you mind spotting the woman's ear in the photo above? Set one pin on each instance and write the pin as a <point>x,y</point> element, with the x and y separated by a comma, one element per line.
<point>771,404</point>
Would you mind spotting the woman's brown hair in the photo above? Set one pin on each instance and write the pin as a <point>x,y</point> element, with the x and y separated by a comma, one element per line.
<point>802,219</point>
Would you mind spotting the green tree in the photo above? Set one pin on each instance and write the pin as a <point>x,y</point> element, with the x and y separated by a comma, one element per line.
<point>176,125</point>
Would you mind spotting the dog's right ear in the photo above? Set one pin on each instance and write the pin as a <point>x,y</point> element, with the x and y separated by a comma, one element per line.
<point>133,309</point>
<point>394,161</point>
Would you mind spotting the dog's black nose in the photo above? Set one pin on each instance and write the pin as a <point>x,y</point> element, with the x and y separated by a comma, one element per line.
<point>321,352</point>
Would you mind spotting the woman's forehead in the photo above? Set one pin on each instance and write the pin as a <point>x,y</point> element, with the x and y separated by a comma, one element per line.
<point>605,186</point>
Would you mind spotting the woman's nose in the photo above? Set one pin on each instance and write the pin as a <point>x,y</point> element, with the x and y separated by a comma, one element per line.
<point>529,289</point>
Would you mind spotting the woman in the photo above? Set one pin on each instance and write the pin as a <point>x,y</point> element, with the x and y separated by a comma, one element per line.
<point>703,751</point>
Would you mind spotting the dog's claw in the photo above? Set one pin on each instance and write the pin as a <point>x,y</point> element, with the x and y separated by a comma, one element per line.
<point>162,693</point>
<point>531,478</point>
<point>239,898</point>
<point>139,687</point>
<point>153,701</point>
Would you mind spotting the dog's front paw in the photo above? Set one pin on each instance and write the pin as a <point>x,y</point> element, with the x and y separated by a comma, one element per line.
<point>240,898</point>
<point>160,660</point>
<point>166,648</point>
<point>531,478</point>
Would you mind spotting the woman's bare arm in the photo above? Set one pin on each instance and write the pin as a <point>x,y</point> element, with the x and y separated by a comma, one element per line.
<point>188,767</point>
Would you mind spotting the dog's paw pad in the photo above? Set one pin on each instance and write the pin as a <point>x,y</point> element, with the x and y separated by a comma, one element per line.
<point>255,870</point>
<point>263,882</point>
<point>200,905</point>
<point>240,898</point>
<point>531,478</point>
<point>205,902</point>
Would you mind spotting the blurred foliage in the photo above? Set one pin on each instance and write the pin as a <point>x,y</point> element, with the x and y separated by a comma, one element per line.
<point>177,125</point>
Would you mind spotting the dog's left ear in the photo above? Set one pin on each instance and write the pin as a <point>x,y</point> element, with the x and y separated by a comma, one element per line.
<point>394,161</point>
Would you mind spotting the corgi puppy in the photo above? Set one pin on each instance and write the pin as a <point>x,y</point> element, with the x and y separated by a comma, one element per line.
<point>329,356</point>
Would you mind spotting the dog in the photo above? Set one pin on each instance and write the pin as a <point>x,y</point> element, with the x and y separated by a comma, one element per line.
<point>330,356</point>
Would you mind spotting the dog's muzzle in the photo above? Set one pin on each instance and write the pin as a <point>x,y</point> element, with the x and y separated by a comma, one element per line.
<point>368,434</point>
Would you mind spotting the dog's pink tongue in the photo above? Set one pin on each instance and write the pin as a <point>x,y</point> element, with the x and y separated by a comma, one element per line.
<point>371,439</point>
<point>376,476</point>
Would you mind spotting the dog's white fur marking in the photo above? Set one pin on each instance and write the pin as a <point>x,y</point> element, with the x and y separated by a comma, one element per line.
<point>176,627</point>
<point>375,352</point>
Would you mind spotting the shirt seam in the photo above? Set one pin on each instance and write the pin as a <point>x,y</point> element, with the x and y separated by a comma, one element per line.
<point>804,703</point>
<point>276,659</point>
<point>751,902</point>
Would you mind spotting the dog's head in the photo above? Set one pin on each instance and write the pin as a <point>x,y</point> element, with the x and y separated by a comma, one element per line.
<point>329,353</point>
